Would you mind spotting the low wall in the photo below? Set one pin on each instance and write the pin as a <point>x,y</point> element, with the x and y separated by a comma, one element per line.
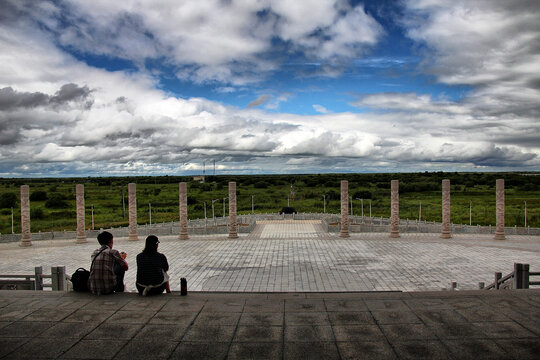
<point>246,223</point>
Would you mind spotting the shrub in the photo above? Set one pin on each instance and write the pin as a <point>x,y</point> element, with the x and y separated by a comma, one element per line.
<point>56,201</point>
<point>362,194</point>
<point>8,200</point>
<point>38,196</point>
<point>261,185</point>
<point>36,213</point>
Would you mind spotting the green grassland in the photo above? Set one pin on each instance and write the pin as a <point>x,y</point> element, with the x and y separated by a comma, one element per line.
<point>53,200</point>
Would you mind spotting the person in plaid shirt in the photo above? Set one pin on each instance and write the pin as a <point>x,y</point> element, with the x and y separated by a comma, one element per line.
<point>108,269</point>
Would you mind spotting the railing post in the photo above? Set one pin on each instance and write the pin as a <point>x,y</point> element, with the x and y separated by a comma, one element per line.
<point>525,276</point>
<point>518,276</point>
<point>498,277</point>
<point>54,278</point>
<point>61,274</point>
<point>38,271</point>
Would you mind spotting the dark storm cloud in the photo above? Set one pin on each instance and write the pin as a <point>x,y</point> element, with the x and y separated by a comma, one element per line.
<point>11,99</point>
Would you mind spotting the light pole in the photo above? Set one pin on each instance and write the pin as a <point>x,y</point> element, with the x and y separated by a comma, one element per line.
<point>225,198</point>
<point>92,216</point>
<point>213,215</point>
<point>252,204</point>
<point>204,209</point>
<point>420,212</point>
<point>362,200</point>
<point>324,203</point>
<point>12,221</point>
<point>369,207</point>
<point>150,212</point>
<point>525,213</point>
<point>350,197</point>
<point>470,212</point>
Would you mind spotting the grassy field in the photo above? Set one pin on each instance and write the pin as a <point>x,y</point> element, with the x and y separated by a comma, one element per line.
<point>53,200</point>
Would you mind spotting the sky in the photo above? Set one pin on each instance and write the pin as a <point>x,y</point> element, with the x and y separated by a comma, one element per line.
<point>166,87</point>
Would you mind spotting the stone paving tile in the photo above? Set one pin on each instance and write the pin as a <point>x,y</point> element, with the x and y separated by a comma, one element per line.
<point>311,350</point>
<point>376,350</point>
<point>479,349</point>
<point>73,330</point>
<point>308,333</point>
<point>421,349</point>
<point>89,315</point>
<point>350,333</point>
<point>147,349</point>
<point>521,348</point>
<point>243,351</point>
<point>117,330</point>
<point>25,328</point>
<point>8,345</point>
<point>395,317</point>
<point>351,318</point>
<point>94,349</point>
<point>258,334</point>
<point>261,319</point>
<point>395,332</point>
<point>306,318</point>
<point>40,348</point>
<point>200,351</point>
<point>203,333</point>
<point>171,332</point>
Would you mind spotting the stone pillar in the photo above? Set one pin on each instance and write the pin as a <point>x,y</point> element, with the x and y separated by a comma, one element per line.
<point>445,234</point>
<point>26,239</point>
<point>132,205</point>
<point>233,226</point>
<point>344,209</point>
<point>79,199</point>
<point>394,220</point>
<point>499,232</point>
<point>183,212</point>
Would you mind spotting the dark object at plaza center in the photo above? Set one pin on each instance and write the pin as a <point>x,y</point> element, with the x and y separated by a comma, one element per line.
<point>287,210</point>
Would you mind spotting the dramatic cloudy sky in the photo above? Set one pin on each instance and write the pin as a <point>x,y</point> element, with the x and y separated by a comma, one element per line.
<point>97,88</point>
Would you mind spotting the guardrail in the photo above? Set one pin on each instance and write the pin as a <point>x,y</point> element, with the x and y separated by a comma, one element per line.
<point>35,281</point>
<point>520,278</point>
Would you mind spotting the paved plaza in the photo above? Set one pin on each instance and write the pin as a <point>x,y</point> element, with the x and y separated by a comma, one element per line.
<point>299,256</point>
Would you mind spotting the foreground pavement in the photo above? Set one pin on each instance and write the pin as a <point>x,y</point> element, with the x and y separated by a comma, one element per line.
<point>502,324</point>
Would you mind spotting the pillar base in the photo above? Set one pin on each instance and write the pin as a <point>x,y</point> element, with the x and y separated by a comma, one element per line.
<point>81,240</point>
<point>233,236</point>
<point>183,237</point>
<point>499,236</point>
<point>25,243</point>
<point>133,237</point>
<point>344,235</point>
<point>446,235</point>
<point>394,234</point>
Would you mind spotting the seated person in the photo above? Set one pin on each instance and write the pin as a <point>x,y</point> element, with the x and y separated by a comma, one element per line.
<point>108,267</point>
<point>152,268</point>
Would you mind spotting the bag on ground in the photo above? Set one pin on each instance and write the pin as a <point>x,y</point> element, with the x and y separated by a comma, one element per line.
<point>80,280</point>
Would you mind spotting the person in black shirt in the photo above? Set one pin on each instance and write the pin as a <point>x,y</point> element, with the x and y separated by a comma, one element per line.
<point>152,268</point>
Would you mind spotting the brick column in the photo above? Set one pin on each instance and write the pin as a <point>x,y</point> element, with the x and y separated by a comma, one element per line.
<point>394,220</point>
<point>445,234</point>
<point>499,232</point>
<point>233,226</point>
<point>132,205</point>
<point>344,209</point>
<point>79,199</point>
<point>183,212</point>
<point>26,239</point>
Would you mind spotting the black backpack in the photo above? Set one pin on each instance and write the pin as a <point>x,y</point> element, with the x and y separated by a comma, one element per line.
<point>80,280</point>
<point>80,277</point>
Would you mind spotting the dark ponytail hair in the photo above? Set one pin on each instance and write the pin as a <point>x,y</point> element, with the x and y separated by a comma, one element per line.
<point>151,244</point>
